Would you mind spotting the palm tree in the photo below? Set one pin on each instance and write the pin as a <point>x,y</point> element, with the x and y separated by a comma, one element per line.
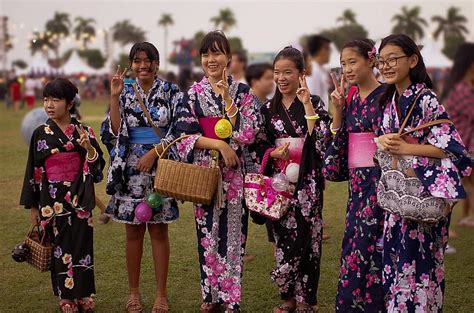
<point>410,23</point>
<point>84,30</point>
<point>165,21</point>
<point>347,18</point>
<point>58,27</point>
<point>124,33</point>
<point>225,19</point>
<point>41,42</point>
<point>452,25</point>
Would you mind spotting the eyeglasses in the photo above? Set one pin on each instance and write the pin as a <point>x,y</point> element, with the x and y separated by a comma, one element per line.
<point>391,62</point>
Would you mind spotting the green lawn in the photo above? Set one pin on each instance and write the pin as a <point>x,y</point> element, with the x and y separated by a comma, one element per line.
<point>22,289</point>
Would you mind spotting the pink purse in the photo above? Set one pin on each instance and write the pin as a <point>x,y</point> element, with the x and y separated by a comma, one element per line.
<point>262,198</point>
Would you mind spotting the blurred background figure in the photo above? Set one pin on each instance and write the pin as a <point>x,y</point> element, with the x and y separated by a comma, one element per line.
<point>320,51</point>
<point>238,66</point>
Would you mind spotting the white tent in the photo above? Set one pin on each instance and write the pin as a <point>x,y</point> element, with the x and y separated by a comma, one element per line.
<point>76,65</point>
<point>433,57</point>
<point>38,64</point>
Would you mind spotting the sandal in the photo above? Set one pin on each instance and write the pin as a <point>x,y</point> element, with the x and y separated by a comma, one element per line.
<point>67,306</point>
<point>134,303</point>
<point>283,308</point>
<point>86,305</point>
<point>306,309</point>
<point>161,305</point>
<point>103,219</point>
<point>210,308</point>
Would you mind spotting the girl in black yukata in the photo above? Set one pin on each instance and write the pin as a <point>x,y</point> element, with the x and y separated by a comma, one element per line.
<point>64,162</point>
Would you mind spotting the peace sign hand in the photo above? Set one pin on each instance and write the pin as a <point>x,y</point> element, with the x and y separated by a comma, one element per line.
<point>303,92</point>
<point>84,138</point>
<point>337,96</point>
<point>223,87</point>
<point>116,84</point>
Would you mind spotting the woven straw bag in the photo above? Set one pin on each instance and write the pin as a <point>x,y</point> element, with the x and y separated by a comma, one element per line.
<point>40,249</point>
<point>184,181</point>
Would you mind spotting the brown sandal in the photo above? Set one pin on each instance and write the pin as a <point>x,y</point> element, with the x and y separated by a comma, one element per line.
<point>210,308</point>
<point>86,305</point>
<point>160,306</point>
<point>134,303</point>
<point>284,308</point>
<point>68,306</point>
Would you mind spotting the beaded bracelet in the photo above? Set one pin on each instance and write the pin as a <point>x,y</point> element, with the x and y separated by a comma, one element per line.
<point>94,158</point>
<point>334,130</point>
<point>312,117</point>
<point>233,115</point>
<point>232,104</point>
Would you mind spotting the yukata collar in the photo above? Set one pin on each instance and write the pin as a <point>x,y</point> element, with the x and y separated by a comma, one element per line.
<point>156,84</point>
<point>407,97</point>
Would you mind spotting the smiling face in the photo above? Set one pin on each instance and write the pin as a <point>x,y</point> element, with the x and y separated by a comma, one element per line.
<point>214,63</point>
<point>143,68</point>
<point>396,64</point>
<point>286,76</point>
<point>355,67</point>
<point>57,109</point>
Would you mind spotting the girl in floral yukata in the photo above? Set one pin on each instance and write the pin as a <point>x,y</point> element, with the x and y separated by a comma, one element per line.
<point>294,114</point>
<point>413,256</point>
<point>136,145</point>
<point>360,275</point>
<point>221,227</point>
<point>64,162</point>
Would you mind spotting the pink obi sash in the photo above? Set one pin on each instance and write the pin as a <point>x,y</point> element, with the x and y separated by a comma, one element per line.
<point>207,124</point>
<point>64,166</point>
<point>361,149</point>
<point>295,147</point>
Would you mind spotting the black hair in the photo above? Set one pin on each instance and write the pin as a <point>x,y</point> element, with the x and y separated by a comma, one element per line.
<point>295,56</point>
<point>364,47</point>
<point>256,71</point>
<point>463,60</point>
<point>61,88</point>
<point>215,41</point>
<point>242,56</point>
<point>315,43</point>
<point>418,74</point>
<point>150,50</point>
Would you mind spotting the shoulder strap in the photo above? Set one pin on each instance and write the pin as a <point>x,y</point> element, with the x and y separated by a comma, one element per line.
<point>429,124</point>
<point>147,113</point>
<point>405,121</point>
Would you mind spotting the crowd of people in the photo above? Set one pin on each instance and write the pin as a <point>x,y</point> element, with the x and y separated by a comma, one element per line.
<point>278,117</point>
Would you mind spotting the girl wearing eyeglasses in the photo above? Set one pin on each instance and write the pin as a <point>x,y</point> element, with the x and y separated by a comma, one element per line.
<point>355,121</point>
<point>413,252</point>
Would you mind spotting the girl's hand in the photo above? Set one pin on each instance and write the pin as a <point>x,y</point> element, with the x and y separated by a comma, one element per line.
<point>146,162</point>
<point>34,216</point>
<point>338,96</point>
<point>387,142</point>
<point>303,92</point>
<point>281,152</point>
<point>116,84</point>
<point>399,146</point>
<point>223,87</point>
<point>84,140</point>
<point>228,154</point>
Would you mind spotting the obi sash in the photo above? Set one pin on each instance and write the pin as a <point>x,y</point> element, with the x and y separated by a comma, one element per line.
<point>64,166</point>
<point>144,135</point>
<point>362,149</point>
<point>295,148</point>
<point>207,124</point>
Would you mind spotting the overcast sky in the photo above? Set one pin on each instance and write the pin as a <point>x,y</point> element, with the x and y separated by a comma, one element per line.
<point>263,25</point>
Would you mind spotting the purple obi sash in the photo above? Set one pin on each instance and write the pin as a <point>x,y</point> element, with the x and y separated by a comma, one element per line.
<point>295,147</point>
<point>64,166</point>
<point>207,124</point>
<point>361,149</point>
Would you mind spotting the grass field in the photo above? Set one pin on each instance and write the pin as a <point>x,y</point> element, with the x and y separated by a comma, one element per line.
<point>22,289</point>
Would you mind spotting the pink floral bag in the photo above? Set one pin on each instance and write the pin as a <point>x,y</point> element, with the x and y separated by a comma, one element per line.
<point>262,198</point>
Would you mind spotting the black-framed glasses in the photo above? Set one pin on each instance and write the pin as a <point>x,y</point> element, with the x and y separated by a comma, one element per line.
<point>391,62</point>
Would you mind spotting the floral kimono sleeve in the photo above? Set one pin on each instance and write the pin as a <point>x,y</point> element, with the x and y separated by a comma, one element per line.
<point>176,102</point>
<point>30,194</point>
<point>248,121</point>
<point>442,179</point>
<point>321,136</point>
<point>95,167</point>
<point>335,166</point>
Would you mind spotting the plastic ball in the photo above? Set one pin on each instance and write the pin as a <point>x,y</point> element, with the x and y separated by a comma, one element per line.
<point>143,212</point>
<point>223,129</point>
<point>154,200</point>
<point>280,182</point>
<point>20,252</point>
<point>292,172</point>
<point>31,121</point>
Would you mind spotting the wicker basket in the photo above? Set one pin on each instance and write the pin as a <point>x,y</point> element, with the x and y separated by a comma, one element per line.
<point>184,181</point>
<point>40,250</point>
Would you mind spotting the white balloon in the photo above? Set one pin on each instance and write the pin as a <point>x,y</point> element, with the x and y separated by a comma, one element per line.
<point>280,182</point>
<point>292,172</point>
